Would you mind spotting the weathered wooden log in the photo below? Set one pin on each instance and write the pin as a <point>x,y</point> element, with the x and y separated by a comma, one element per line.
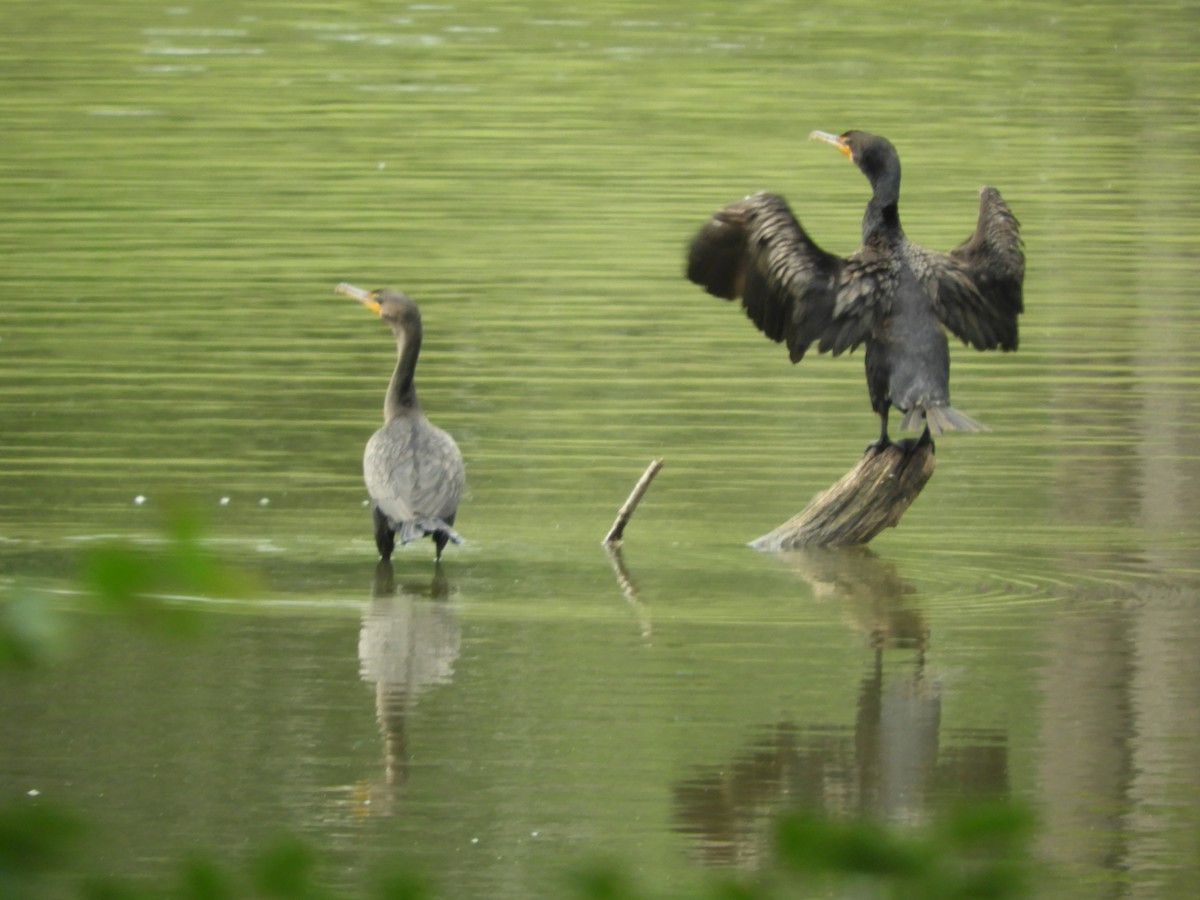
<point>869,498</point>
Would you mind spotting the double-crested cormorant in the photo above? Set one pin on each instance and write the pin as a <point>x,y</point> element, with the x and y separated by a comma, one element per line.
<point>413,469</point>
<point>893,295</point>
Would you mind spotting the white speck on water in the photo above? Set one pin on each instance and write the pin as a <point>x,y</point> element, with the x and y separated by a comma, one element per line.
<point>33,792</point>
<point>224,501</point>
<point>474,840</point>
<point>139,500</point>
<point>265,501</point>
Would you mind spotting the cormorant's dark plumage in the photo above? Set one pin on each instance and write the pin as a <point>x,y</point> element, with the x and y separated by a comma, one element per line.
<point>413,469</point>
<point>895,296</point>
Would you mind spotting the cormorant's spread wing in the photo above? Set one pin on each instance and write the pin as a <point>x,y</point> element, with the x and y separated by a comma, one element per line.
<point>792,290</point>
<point>976,287</point>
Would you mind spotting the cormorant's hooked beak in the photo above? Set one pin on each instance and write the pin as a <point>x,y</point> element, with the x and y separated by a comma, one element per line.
<point>369,299</point>
<point>835,139</point>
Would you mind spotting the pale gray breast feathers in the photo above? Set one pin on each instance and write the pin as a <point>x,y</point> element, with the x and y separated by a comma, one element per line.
<point>413,469</point>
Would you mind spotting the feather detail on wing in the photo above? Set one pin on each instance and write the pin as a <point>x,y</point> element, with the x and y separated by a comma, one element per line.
<point>977,286</point>
<point>794,291</point>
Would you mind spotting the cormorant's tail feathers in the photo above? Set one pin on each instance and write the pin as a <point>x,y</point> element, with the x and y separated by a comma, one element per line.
<point>939,419</point>
<point>418,528</point>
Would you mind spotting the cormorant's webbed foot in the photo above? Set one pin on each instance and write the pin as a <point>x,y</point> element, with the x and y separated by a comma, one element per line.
<point>878,445</point>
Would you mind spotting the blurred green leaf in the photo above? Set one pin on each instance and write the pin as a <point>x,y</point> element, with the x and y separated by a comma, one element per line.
<point>810,844</point>
<point>996,882</point>
<point>732,890</point>
<point>110,889</point>
<point>140,580</point>
<point>403,886</point>
<point>202,879</point>
<point>34,839</point>
<point>286,870</point>
<point>32,633</point>
<point>602,881</point>
<point>994,824</point>
<point>979,853</point>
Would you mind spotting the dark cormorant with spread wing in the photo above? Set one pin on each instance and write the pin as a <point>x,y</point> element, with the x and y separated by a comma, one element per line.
<point>413,469</point>
<point>895,296</point>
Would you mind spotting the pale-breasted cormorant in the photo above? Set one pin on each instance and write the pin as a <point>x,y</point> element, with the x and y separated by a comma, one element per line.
<point>413,469</point>
<point>895,296</point>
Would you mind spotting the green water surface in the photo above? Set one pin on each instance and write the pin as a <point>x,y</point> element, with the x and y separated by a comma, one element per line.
<point>183,185</point>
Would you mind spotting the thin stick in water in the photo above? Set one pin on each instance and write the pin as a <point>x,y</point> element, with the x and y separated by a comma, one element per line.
<point>630,504</point>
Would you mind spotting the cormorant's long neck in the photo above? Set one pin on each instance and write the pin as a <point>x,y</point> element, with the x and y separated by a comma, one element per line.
<point>882,217</point>
<point>401,392</point>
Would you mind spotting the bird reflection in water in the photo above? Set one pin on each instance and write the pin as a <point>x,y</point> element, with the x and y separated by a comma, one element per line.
<point>408,643</point>
<point>893,764</point>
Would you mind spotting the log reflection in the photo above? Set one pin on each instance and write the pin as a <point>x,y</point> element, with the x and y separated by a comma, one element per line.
<point>895,763</point>
<point>629,588</point>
